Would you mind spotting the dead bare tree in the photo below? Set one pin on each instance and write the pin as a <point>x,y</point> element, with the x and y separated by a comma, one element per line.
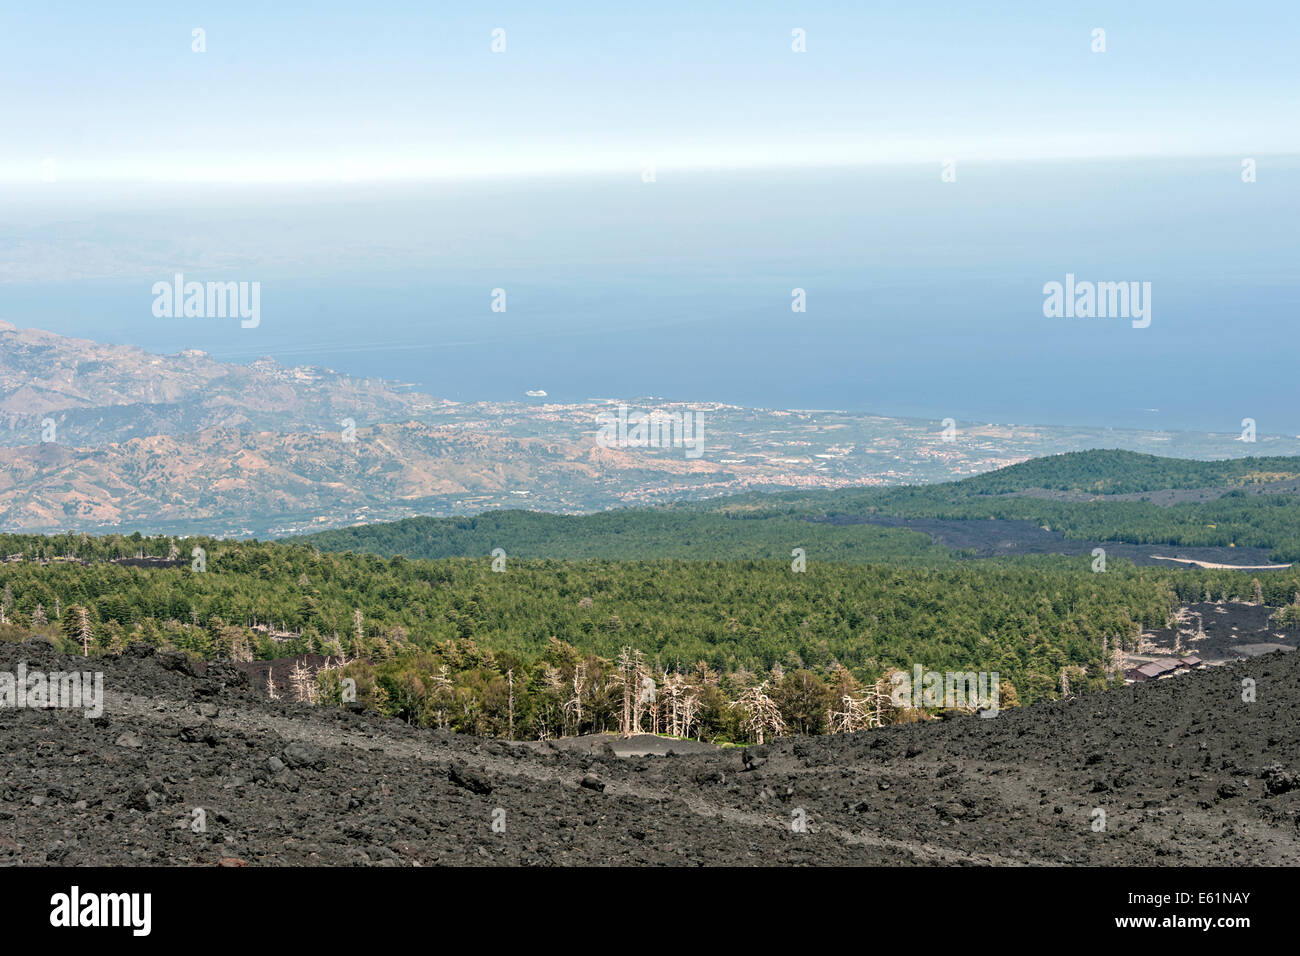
<point>302,680</point>
<point>631,670</point>
<point>645,694</point>
<point>761,712</point>
<point>856,715</point>
<point>690,709</point>
<point>240,649</point>
<point>879,703</point>
<point>86,634</point>
<point>439,692</point>
<point>573,706</point>
<point>623,676</point>
<point>1070,670</point>
<point>674,686</point>
<point>1116,662</point>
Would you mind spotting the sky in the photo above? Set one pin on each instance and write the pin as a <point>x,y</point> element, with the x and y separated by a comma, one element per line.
<point>379,170</point>
<point>345,92</point>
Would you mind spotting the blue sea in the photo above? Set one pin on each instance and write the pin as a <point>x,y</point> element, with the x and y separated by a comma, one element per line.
<point>923,297</point>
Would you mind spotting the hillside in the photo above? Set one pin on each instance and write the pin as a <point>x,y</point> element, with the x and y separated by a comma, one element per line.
<point>1115,472</point>
<point>226,481</point>
<point>732,616</point>
<point>631,534</point>
<point>720,625</point>
<point>1173,765</point>
<point>102,438</point>
<point>99,395</point>
<point>1253,503</point>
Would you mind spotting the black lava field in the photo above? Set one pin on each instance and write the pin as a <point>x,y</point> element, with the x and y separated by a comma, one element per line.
<point>1180,771</point>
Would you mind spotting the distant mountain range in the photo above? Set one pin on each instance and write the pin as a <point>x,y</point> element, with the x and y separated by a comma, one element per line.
<point>97,437</point>
<point>99,395</point>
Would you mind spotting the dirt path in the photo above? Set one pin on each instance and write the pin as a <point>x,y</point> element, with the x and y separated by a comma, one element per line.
<point>1228,567</point>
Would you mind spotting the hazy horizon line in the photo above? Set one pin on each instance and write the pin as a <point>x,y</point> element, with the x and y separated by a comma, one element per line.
<point>343,175</point>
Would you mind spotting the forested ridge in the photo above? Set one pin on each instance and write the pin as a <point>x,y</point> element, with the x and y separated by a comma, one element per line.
<point>634,534</point>
<point>770,526</point>
<point>1115,471</point>
<point>454,643</point>
<point>758,616</point>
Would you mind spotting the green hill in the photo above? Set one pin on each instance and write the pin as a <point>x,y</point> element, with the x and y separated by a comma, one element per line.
<point>1112,471</point>
<point>642,534</point>
<point>703,595</point>
<point>759,526</point>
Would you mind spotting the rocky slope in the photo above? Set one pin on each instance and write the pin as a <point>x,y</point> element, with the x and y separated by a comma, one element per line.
<point>1184,770</point>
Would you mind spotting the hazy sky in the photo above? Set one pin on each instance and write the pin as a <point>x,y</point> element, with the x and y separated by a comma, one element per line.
<point>925,296</point>
<point>383,89</point>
